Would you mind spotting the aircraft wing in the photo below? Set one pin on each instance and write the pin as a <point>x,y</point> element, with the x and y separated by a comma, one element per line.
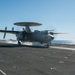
<point>9,31</point>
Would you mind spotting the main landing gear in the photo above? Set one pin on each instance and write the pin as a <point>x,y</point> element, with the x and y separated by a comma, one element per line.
<point>19,43</point>
<point>48,45</point>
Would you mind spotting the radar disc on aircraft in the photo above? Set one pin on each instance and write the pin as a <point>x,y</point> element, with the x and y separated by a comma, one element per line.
<point>27,24</point>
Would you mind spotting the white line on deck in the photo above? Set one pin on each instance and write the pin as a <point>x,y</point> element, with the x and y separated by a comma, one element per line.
<point>65,48</point>
<point>2,72</point>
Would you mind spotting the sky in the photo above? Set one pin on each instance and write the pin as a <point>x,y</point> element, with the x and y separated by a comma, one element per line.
<point>53,14</point>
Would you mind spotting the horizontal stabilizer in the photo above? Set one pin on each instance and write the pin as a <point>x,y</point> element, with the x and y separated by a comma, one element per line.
<point>9,31</point>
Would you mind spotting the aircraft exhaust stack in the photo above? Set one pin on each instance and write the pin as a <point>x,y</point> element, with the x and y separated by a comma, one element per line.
<point>5,33</point>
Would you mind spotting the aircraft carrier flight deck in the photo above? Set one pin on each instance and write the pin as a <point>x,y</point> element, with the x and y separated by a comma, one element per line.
<point>24,60</point>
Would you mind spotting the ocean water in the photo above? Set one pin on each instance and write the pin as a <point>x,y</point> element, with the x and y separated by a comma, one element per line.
<point>63,42</point>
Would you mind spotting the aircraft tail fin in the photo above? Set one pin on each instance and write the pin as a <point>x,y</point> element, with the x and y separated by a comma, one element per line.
<point>12,28</point>
<point>5,33</point>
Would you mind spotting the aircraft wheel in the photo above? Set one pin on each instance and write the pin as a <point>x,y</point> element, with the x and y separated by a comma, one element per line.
<point>48,45</point>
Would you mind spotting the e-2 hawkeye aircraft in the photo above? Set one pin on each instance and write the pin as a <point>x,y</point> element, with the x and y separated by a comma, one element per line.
<point>26,34</point>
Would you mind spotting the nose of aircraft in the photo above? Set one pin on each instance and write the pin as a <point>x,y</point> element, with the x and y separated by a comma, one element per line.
<point>52,37</point>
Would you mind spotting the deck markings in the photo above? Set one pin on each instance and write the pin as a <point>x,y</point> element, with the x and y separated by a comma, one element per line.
<point>2,72</point>
<point>65,48</point>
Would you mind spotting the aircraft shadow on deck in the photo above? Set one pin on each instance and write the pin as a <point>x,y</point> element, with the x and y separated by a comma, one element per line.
<point>15,45</point>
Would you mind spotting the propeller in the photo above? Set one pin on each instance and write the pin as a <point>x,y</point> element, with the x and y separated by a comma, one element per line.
<point>49,30</point>
<point>5,33</point>
<point>52,33</point>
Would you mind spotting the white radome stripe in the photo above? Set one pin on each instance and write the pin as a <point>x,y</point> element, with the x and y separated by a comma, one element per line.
<point>65,48</point>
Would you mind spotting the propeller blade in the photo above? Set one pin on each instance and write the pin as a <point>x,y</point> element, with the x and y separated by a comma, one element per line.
<point>59,33</point>
<point>56,33</point>
<point>50,30</point>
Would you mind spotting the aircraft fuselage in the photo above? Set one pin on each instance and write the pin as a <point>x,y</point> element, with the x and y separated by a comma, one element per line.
<point>36,36</point>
